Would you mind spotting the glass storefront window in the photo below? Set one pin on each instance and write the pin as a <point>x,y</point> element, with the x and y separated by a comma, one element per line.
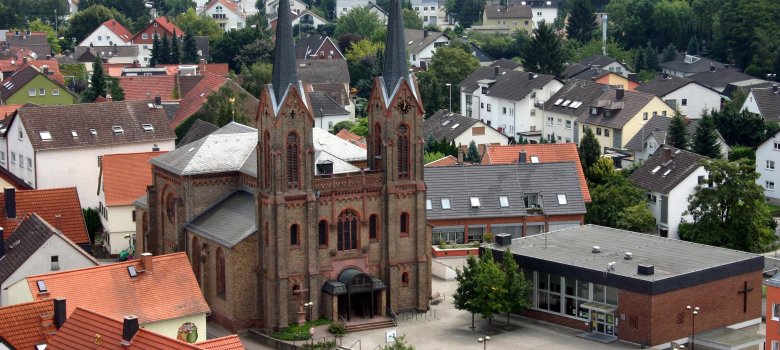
<point>583,289</point>
<point>555,283</point>
<point>612,296</point>
<point>598,292</point>
<point>571,286</point>
<point>566,295</point>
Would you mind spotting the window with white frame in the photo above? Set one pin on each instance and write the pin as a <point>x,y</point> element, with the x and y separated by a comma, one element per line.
<point>775,345</point>
<point>29,163</point>
<point>31,92</point>
<point>550,120</point>
<point>770,185</point>
<point>55,92</point>
<point>776,312</point>
<point>145,36</point>
<point>777,146</point>
<point>568,124</point>
<point>770,164</point>
<point>488,107</point>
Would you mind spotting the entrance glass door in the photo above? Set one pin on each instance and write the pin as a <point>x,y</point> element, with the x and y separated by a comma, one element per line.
<point>603,322</point>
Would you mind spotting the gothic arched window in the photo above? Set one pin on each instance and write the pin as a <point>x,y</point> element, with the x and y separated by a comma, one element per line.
<point>348,230</point>
<point>323,233</point>
<point>220,257</point>
<point>195,256</point>
<point>404,224</point>
<point>292,161</point>
<point>403,151</point>
<point>373,227</point>
<point>266,159</point>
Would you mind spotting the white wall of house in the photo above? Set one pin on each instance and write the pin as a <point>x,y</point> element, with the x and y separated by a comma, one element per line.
<point>482,135</point>
<point>271,7</point>
<point>750,104</point>
<point>768,168</point>
<point>561,125</point>
<point>327,122</point>
<point>170,327</point>
<point>426,54</point>
<point>117,223</point>
<point>19,292</point>
<point>678,201</point>
<point>429,11</point>
<point>316,20</point>
<point>547,14</point>
<point>20,149</point>
<point>68,255</point>
<point>693,99</point>
<point>102,36</point>
<point>226,18</point>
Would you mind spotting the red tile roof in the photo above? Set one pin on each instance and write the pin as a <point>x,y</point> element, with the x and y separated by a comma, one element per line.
<point>25,325</point>
<point>230,342</point>
<point>125,176</point>
<point>86,329</point>
<point>446,161</point>
<point>196,97</point>
<point>7,66</point>
<point>169,290</point>
<point>547,153</point>
<point>48,204</point>
<point>118,29</point>
<point>7,110</point>
<point>144,88</point>
<point>165,24</point>
<point>358,140</point>
<point>229,4</point>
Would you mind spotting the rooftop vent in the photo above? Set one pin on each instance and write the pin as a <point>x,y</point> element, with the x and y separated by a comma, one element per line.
<point>628,256</point>
<point>645,270</point>
<point>596,249</point>
<point>503,239</point>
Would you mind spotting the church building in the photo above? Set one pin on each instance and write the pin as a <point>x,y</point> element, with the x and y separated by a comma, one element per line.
<point>281,217</point>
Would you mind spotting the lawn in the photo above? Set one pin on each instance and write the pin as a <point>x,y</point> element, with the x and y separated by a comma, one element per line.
<point>774,210</point>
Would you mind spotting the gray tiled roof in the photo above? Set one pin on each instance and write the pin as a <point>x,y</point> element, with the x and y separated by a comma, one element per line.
<point>511,11</point>
<point>308,44</point>
<point>731,88</point>
<point>336,91</point>
<point>573,69</point>
<point>105,52</point>
<point>60,121</point>
<point>700,65</point>
<point>197,131</point>
<point>323,105</point>
<point>597,60</point>
<point>574,90</point>
<point>720,77</point>
<point>768,102</point>
<point>514,85</point>
<point>657,126</point>
<point>677,263</point>
<point>664,85</point>
<point>442,124</point>
<point>323,71</point>
<point>229,221</point>
<point>488,182</point>
<point>470,83</point>
<point>416,40</point>
<point>669,173</point>
<point>632,103</point>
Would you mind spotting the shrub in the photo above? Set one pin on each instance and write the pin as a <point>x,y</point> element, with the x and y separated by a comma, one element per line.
<point>337,329</point>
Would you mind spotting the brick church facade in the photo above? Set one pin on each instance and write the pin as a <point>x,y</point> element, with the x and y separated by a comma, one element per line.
<point>267,223</point>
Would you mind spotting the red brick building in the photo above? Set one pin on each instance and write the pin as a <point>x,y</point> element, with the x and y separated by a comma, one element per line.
<point>773,313</point>
<point>615,284</point>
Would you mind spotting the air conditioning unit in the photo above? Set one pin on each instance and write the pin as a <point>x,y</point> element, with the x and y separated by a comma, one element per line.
<point>503,239</point>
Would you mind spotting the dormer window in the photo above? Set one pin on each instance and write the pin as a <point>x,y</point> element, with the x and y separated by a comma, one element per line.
<point>531,200</point>
<point>484,90</point>
<point>594,111</point>
<point>607,113</point>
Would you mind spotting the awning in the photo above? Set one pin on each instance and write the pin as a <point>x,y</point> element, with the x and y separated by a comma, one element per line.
<point>729,339</point>
<point>600,307</point>
<point>353,281</point>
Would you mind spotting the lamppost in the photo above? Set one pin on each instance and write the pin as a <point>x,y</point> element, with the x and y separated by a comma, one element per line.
<point>308,307</point>
<point>450,86</point>
<point>232,109</point>
<point>484,342</point>
<point>694,311</point>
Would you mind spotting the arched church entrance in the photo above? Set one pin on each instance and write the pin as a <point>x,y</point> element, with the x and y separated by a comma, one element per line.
<point>354,294</point>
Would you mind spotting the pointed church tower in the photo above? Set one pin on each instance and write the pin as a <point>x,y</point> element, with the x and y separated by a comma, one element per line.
<point>285,167</point>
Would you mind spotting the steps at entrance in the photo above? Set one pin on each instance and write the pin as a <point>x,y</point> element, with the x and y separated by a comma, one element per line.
<point>381,322</point>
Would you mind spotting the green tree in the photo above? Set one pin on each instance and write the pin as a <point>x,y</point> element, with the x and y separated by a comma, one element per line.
<point>97,82</point>
<point>399,343</point>
<point>360,21</point>
<point>470,12</point>
<point>608,201</point>
<point>590,150</point>
<point>254,77</point>
<point>165,50</point>
<point>448,65</point>
<point>472,155</point>
<point>173,8</point>
<point>637,218</point>
<point>601,172</point>
<point>432,157</point>
<point>199,25</point>
<point>189,49</point>
<point>175,55</point>
<point>742,127</point>
<point>465,296</point>
<point>363,49</point>
<point>693,46</point>
<point>705,139</point>
<point>631,21</point>
<point>518,289</point>
<point>51,37</point>
<point>83,22</point>
<point>344,124</point>
<point>593,47</point>
<point>130,8</point>
<point>650,58</point>
<point>491,286</point>
<point>677,135</point>
<point>732,213</point>
<point>157,57</point>
<point>677,19</point>
<point>669,54</point>
<point>117,94</point>
<point>245,46</point>
<point>92,219</point>
<point>360,128</point>
<point>582,21</point>
<point>545,54</point>
<point>412,20</point>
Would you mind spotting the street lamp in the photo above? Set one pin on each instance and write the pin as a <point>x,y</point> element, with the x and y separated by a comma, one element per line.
<point>484,341</point>
<point>232,109</point>
<point>694,311</point>
<point>450,86</point>
<point>308,307</point>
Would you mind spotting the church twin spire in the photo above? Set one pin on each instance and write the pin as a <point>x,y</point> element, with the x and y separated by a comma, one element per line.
<point>284,70</point>
<point>396,64</point>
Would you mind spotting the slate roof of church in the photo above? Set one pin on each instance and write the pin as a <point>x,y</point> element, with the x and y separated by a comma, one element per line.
<point>229,221</point>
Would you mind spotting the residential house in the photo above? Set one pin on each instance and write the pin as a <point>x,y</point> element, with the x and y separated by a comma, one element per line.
<point>160,27</point>
<point>37,247</point>
<point>11,65</point>
<point>422,44</point>
<point>302,19</point>
<point>508,100</point>
<point>684,65</point>
<point>123,178</point>
<point>315,46</point>
<point>30,325</point>
<point>484,58</point>
<point>194,99</point>
<point>539,153</point>
<point>764,102</point>
<point>10,180</point>
<point>767,154</point>
<point>606,63</point>
<point>60,207</point>
<point>543,10</point>
<point>109,33</point>
<point>226,13</point>
<point>690,98</point>
<point>514,199</point>
<point>561,110</point>
<point>344,6</point>
<point>356,140</point>
<point>327,112</point>
<point>330,77</point>
<point>462,130</point>
<point>654,133</point>
<point>744,87</point>
<point>601,76</point>
<point>589,277</point>
<point>670,177</point>
<point>27,44</point>
<point>161,291</point>
<point>718,78</point>
<point>446,161</point>
<point>50,148</point>
<point>296,6</point>
<point>618,115</point>
<point>31,85</point>
<point>109,54</point>
<point>505,19</point>
<point>431,12</point>
<point>149,87</point>
<point>78,332</point>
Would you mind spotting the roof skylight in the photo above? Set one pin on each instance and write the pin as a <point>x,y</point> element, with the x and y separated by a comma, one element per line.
<point>655,170</point>
<point>558,101</point>
<point>562,199</point>
<point>445,203</point>
<point>446,122</point>
<point>45,135</point>
<point>503,201</point>
<point>455,126</point>
<point>148,127</point>
<point>534,159</point>
<point>117,129</point>
<point>93,132</point>
<point>565,103</point>
<point>474,202</point>
<point>74,134</point>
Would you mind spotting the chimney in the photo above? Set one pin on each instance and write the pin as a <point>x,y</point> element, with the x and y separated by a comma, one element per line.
<point>530,76</point>
<point>497,70</point>
<point>460,157</point>
<point>129,328</point>
<point>45,69</point>
<point>58,221</point>
<point>425,33</point>
<point>666,76</point>
<point>24,60</point>
<point>712,67</point>
<point>774,87</point>
<point>619,93</point>
<point>136,64</point>
<point>146,262</point>
<point>2,243</point>
<point>202,66</point>
<point>10,202</point>
<point>666,154</point>
<point>60,313</point>
<point>521,157</point>
<point>48,57</point>
<point>158,100</point>
<point>155,148</point>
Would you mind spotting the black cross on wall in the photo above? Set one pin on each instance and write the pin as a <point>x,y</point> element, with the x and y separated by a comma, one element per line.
<point>744,292</point>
